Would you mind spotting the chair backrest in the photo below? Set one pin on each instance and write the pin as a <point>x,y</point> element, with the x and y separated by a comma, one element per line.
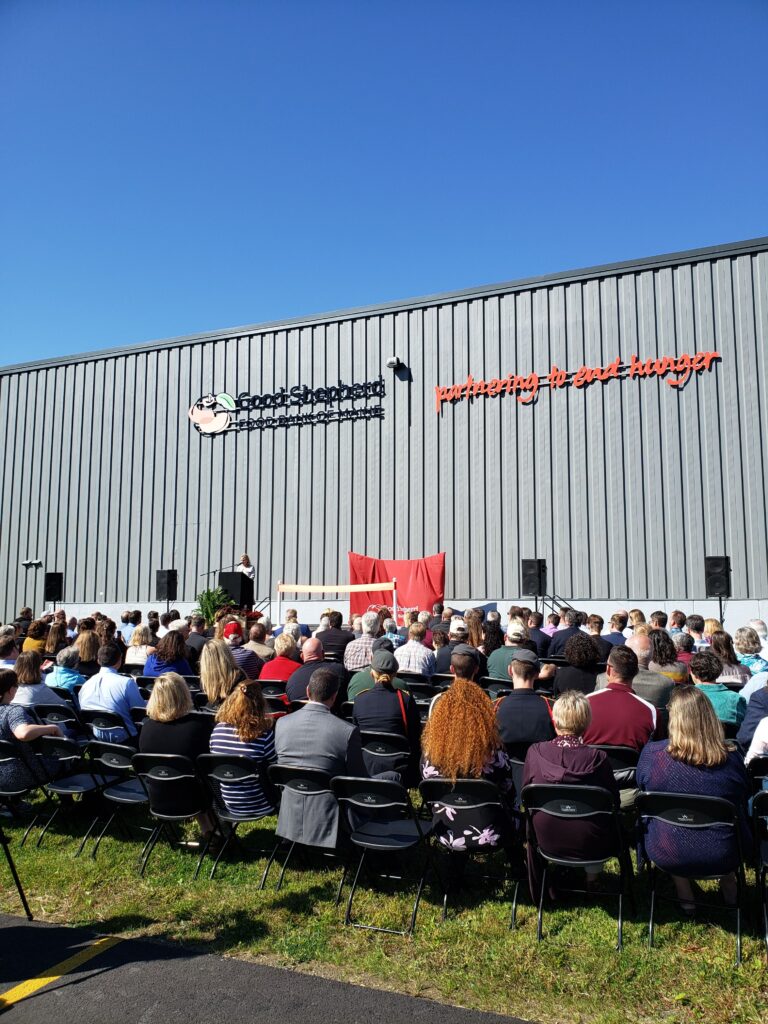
<point>730,729</point>
<point>686,810</point>
<point>102,720</point>
<point>571,802</point>
<point>383,752</point>
<point>758,768</point>
<point>623,762</point>
<point>297,705</point>
<point>145,681</point>
<point>461,795</point>
<point>138,715</point>
<point>385,742</point>
<point>346,710</point>
<point>64,693</point>
<point>63,715</point>
<point>114,758</point>
<point>373,797</point>
<point>172,784</point>
<point>306,781</point>
<point>233,771</point>
<point>406,678</point>
<point>273,687</point>
<point>760,825</point>
<point>69,754</point>
<point>193,682</point>
<point>276,705</point>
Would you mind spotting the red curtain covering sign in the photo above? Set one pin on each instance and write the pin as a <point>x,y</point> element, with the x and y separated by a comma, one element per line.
<point>420,582</point>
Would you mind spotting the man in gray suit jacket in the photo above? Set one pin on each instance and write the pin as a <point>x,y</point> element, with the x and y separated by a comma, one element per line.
<point>651,686</point>
<point>314,738</point>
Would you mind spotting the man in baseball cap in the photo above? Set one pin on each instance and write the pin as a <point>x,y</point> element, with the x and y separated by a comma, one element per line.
<point>457,634</point>
<point>523,716</point>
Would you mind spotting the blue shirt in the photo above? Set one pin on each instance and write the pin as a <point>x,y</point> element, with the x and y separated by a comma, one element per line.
<point>109,691</point>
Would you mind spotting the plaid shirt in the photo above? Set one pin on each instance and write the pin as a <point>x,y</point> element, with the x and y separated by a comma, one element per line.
<point>415,657</point>
<point>358,654</point>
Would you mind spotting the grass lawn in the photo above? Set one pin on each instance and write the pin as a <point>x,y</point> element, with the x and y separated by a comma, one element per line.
<point>472,960</point>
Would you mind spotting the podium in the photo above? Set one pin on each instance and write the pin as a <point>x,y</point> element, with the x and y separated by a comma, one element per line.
<point>238,587</point>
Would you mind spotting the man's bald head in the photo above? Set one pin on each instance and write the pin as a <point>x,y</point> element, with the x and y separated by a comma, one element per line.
<point>312,650</point>
<point>641,645</point>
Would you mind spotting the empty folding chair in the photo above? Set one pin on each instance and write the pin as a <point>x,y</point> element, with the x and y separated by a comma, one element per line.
<point>597,830</point>
<point>123,789</point>
<point>382,820</point>
<point>74,778</point>
<point>176,796</point>
<point>689,812</point>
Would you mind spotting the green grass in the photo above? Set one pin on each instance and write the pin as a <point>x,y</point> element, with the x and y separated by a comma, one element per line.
<point>472,959</point>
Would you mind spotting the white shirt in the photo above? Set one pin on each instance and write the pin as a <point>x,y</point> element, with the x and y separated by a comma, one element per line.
<point>247,570</point>
<point>759,745</point>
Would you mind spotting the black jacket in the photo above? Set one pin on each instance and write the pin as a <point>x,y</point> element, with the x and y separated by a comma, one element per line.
<point>757,708</point>
<point>335,642</point>
<point>561,638</point>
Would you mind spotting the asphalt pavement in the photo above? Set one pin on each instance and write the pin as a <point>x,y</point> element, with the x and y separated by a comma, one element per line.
<point>143,982</point>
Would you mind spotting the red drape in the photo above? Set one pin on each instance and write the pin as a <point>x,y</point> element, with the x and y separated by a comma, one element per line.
<point>420,582</point>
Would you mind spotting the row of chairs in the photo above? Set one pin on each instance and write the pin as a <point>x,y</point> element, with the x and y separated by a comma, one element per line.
<point>383,819</point>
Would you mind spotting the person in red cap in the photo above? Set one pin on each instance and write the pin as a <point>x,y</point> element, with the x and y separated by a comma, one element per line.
<point>246,660</point>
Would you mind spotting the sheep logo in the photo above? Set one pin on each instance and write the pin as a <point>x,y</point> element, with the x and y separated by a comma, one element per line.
<point>211,413</point>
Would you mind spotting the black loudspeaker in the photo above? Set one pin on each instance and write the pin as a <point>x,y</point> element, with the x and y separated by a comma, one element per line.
<point>717,575</point>
<point>238,587</point>
<point>54,586</point>
<point>166,584</point>
<point>534,573</point>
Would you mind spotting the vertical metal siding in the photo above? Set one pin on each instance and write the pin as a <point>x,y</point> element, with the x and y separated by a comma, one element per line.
<point>622,487</point>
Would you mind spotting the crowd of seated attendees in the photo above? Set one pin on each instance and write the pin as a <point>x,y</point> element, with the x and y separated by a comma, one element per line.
<point>520,702</point>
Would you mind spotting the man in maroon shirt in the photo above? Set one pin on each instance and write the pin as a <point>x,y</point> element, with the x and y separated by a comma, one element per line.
<point>619,716</point>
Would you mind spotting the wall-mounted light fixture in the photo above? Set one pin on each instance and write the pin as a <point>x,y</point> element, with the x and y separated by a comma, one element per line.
<point>32,563</point>
<point>394,363</point>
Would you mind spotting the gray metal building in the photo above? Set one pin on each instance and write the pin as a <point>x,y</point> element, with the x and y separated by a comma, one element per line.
<point>622,485</point>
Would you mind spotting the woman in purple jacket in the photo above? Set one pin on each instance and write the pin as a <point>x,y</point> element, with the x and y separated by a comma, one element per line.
<point>568,761</point>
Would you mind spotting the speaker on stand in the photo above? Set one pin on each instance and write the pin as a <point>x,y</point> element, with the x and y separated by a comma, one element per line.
<point>533,572</point>
<point>717,578</point>
<point>166,586</point>
<point>53,587</point>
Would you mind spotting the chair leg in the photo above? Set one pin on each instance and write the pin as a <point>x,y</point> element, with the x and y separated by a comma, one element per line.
<point>540,921</point>
<point>513,918</point>
<point>47,825</point>
<point>223,847</point>
<point>101,834</point>
<point>149,847</point>
<point>270,862</point>
<point>621,922</point>
<point>348,915</point>
<point>87,836</point>
<point>739,891</point>
<point>285,865</point>
<point>653,905</point>
<point>341,885</point>
<point>15,875</point>
<point>29,828</point>
<point>201,858</point>
<point>419,891</point>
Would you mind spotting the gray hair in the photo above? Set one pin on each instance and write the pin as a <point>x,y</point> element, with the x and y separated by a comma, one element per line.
<point>759,627</point>
<point>68,657</point>
<point>572,617</point>
<point>683,641</point>
<point>424,618</point>
<point>266,623</point>
<point>370,623</point>
<point>7,631</point>
<point>293,629</point>
<point>390,626</point>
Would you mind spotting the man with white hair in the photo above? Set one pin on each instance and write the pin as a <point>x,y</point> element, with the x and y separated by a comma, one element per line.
<point>358,654</point>
<point>423,618</point>
<point>391,633</point>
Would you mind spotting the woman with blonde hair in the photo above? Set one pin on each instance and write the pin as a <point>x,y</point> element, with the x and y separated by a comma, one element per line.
<point>140,647</point>
<point>636,617</point>
<point>87,644</point>
<point>461,741</point>
<point>243,727</point>
<point>694,760</point>
<point>712,626</point>
<point>218,673</point>
<point>172,727</point>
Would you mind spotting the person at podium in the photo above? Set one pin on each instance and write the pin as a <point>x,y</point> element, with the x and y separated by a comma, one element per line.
<point>246,568</point>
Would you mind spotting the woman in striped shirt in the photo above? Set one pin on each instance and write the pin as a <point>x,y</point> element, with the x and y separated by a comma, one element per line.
<point>243,727</point>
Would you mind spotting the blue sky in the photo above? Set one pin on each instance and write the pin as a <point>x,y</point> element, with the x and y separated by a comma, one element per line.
<point>175,167</point>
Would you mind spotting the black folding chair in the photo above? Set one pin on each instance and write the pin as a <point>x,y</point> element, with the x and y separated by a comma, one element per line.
<point>481,799</point>
<point>74,778</point>
<point>760,833</point>
<point>273,687</point>
<point>14,873</point>
<point>193,682</point>
<point>623,762</point>
<point>104,721</point>
<point>11,794</point>
<point>346,711</point>
<point>308,783</point>
<point>578,803</point>
<point>64,693</point>
<point>113,763</point>
<point>757,769</point>
<point>421,691</point>
<point>170,780</point>
<point>225,775</point>
<point>383,820</point>
<point>690,812</point>
<point>62,715</point>
<point>385,752</point>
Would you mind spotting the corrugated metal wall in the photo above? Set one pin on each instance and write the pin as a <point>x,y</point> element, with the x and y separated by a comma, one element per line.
<point>622,487</point>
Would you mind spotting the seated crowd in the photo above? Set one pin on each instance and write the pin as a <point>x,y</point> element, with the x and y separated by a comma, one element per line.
<point>517,703</point>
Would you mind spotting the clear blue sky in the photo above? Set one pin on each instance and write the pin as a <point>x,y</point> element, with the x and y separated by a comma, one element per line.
<point>175,167</point>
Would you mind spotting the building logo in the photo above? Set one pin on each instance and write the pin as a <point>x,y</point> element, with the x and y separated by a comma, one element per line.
<point>222,413</point>
<point>211,414</point>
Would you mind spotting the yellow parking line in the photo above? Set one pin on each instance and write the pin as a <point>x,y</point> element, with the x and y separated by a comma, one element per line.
<point>28,988</point>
